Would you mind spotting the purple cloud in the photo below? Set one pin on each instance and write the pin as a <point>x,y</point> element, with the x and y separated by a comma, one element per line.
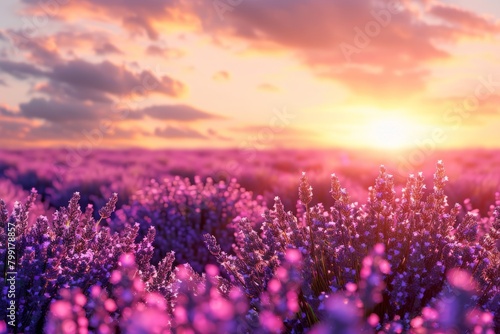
<point>178,133</point>
<point>112,79</point>
<point>59,111</point>
<point>178,112</point>
<point>21,70</point>
<point>107,48</point>
<point>95,82</point>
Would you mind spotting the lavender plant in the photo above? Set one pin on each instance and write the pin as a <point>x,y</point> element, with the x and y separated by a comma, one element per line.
<point>181,212</point>
<point>129,308</point>
<point>71,250</point>
<point>423,240</point>
<point>395,264</point>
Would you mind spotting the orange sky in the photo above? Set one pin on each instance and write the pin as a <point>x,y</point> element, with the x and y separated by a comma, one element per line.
<point>239,73</point>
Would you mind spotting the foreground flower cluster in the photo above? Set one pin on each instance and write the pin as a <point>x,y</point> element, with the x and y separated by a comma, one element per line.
<point>181,212</point>
<point>207,258</point>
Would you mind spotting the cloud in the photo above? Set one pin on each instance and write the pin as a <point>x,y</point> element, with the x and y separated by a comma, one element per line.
<point>137,17</point>
<point>59,111</point>
<point>67,120</point>
<point>331,38</point>
<point>71,92</point>
<point>71,111</point>
<point>401,43</point>
<point>7,111</point>
<point>178,133</point>
<point>40,49</point>
<point>287,23</point>
<point>463,19</point>
<point>154,50</point>
<point>117,80</point>
<point>215,134</point>
<point>78,77</point>
<point>64,120</point>
<point>45,49</point>
<point>21,70</point>
<point>166,53</point>
<point>80,133</point>
<point>96,82</point>
<point>304,26</point>
<point>77,38</point>
<point>178,112</point>
<point>107,48</point>
<point>54,131</point>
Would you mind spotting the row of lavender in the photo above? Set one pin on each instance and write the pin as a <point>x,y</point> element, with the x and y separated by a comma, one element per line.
<point>207,257</point>
<point>57,174</point>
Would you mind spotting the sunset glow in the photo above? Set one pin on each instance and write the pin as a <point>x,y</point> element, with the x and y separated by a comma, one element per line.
<point>390,133</point>
<point>194,75</point>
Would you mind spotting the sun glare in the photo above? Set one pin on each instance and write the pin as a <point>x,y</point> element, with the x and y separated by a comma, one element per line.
<point>390,133</point>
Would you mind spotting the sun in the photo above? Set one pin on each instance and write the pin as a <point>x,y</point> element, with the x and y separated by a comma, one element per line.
<point>390,133</point>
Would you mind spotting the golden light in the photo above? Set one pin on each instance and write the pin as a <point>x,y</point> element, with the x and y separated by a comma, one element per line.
<point>390,133</point>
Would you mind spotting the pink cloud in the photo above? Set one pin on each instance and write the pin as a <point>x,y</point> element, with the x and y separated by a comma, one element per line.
<point>464,20</point>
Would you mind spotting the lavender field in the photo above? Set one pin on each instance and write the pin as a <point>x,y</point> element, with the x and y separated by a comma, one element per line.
<point>249,166</point>
<point>220,241</point>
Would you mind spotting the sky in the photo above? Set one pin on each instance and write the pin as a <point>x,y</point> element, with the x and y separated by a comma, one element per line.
<point>249,73</point>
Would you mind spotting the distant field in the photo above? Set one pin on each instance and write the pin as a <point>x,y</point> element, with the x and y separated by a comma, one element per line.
<point>56,174</point>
